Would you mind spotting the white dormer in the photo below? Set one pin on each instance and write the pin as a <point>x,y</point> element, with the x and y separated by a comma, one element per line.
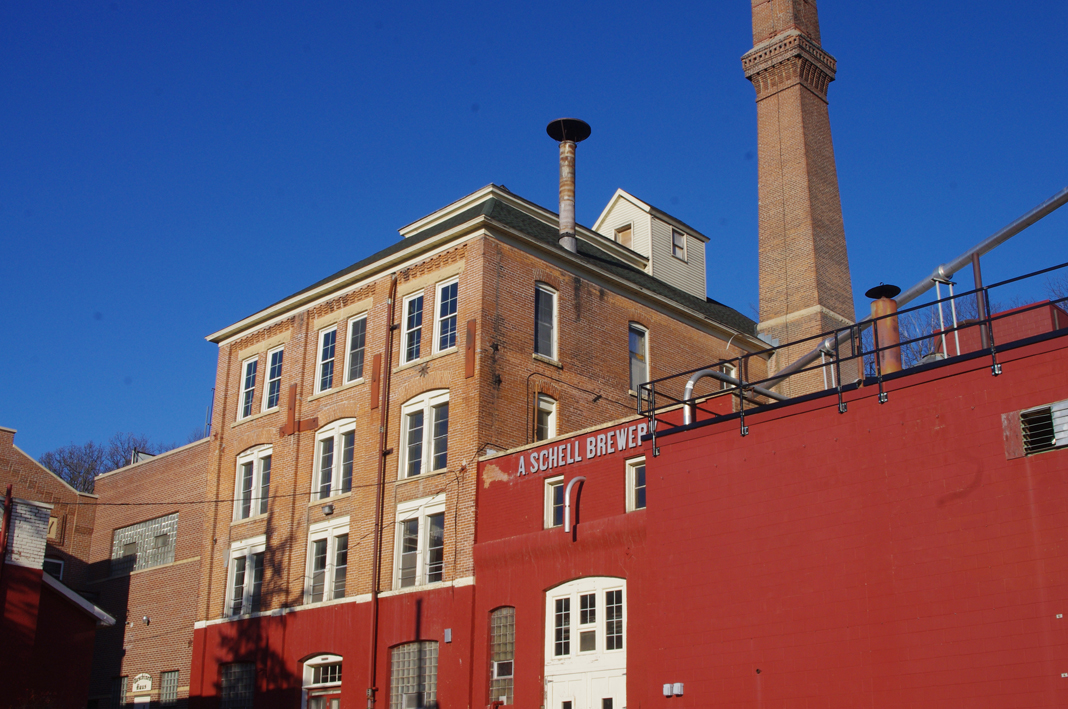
<point>676,251</point>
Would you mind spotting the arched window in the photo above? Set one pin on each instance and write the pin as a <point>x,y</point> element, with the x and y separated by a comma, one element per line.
<point>322,682</point>
<point>425,434</point>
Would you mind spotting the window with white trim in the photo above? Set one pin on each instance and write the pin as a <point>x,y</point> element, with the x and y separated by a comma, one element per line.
<point>544,321</point>
<point>322,682</point>
<point>678,244</point>
<point>324,368</point>
<point>545,418</point>
<point>248,387</point>
<point>413,676</point>
<point>357,346</point>
<point>53,567</point>
<point>731,371</point>
<point>253,485</point>
<point>554,502</point>
<point>639,356</point>
<point>272,394</point>
<point>237,683</point>
<point>425,433</point>
<point>328,554</point>
<point>420,542</point>
<point>585,617</point>
<point>502,654</point>
<point>445,316</point>
<point>335,448</point>
<point>636,484</point>
<point>244,584</point>
<point>623,236</point>
<point>412,340</point>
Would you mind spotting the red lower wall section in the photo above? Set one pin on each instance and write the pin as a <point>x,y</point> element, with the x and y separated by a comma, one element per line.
<point>278,645</point>
<point>889,556</point>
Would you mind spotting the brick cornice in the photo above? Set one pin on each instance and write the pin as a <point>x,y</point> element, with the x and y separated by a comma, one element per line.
<point>786,60</point>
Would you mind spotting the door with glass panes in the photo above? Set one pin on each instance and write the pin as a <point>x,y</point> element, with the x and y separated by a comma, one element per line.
<point>585,648</point>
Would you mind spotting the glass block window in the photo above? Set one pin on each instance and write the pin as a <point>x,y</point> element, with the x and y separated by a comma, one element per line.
<point>168,688</point>
<point>238,685</point>
<point>502,654</point>
<point>144,545</point>
<point>413,676</point>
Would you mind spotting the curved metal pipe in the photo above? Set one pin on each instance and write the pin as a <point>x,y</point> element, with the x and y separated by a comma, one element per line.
<point>567,501</point>
<point>942,273</point>
<point>689,410</point>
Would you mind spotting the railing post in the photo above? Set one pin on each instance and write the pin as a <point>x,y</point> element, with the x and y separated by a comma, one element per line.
<point>995,368</point>
<point>838,370</point>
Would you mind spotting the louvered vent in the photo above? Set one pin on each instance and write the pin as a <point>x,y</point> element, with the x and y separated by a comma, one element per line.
<point>1045,428</point>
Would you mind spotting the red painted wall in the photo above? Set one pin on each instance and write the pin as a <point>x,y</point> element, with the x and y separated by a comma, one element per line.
<point>889,556</point>
<point>280,644</point>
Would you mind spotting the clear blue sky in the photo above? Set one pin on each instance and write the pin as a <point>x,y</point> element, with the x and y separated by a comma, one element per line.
<point>168,168</point>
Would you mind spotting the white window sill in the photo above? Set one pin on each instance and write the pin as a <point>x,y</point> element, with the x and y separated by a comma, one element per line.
<point>335,390</point>
<point>423,360</point>
<point>548,360</point>
<point>415,589</point>
<point>253,417</point>
<point>251,518</point>
<point>423,476</point>
<point>332,498</point>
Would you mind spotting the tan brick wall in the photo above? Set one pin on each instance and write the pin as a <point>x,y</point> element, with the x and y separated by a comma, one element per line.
<point>165,594</point>
<point>74,511</point>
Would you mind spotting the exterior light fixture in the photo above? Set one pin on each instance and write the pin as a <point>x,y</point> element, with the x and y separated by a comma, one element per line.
<point>328,510</point>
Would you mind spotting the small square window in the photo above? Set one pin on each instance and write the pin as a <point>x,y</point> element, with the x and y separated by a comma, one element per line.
<point>554,502</point>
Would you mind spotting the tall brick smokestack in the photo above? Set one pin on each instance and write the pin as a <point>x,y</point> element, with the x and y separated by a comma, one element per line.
<point>805,287</point>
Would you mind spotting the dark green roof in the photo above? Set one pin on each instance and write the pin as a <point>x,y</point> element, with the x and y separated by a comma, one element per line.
<point>503,213</point>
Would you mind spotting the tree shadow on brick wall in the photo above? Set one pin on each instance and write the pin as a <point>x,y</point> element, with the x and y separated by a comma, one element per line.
<point>256,640</point>
<point>111,579</point>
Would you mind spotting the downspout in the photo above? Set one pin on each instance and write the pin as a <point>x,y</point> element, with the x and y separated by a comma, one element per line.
<point>4,530</point>
<point>567,501</point>
<point>376,561</point>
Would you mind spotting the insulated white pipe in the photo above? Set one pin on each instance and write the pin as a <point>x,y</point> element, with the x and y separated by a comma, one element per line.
<point>567,501</point>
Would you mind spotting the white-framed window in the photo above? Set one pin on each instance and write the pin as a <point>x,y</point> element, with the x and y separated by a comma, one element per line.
<point>357,347</point>
<point>554,502</point>
<point>545,321</point>
<point>585,617</point>
<point>678,244</point>
<point>253,485</point>
<point>636,484</point>
<point>624,236</point>
<point>272,394</point>
<point>445,317</point>
<point>420,542</point>
<point>328,560</point>
<point>322,682</point>
<point>544,418</point>
<point>731,371</point>
<point>248,387</point>
<point>425,433</point>
<point>335,448</point>
<point>502,654</point>
<point>411,342</point>
<point>324,368</point>
<point>638,345</point>
<point>244,583</point>
<point>413,676</point>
